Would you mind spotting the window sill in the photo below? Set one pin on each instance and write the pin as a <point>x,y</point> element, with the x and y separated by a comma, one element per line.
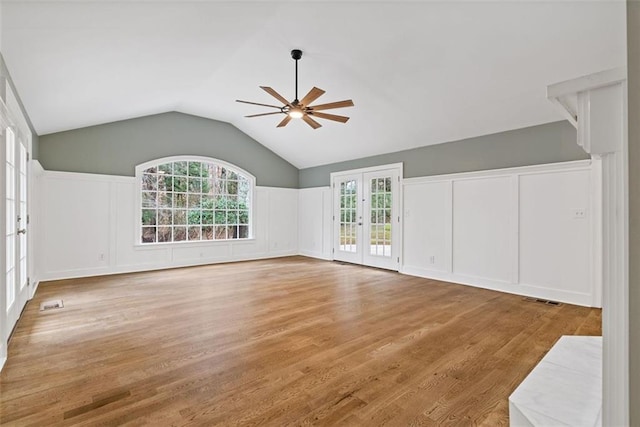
<point>194,244</point>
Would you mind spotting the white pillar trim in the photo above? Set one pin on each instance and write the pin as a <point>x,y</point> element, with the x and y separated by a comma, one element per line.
<point>597,106</point>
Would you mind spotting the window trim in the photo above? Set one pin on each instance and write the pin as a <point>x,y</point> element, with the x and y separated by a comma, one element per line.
<point>139,170</point>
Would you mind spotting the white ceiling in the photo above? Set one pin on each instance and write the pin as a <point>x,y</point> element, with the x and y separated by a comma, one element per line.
<point>419,72</point>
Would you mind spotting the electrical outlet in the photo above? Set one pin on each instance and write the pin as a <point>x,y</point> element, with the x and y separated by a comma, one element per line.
<point>432,259</point>
<point>579,214</point>
<point>101,257</point>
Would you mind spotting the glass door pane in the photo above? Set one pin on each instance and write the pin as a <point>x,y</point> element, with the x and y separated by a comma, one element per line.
<point>380,227</point>
<point>10,203</point>
<point>348,216</point>
<point>381,219</point>
<point>348,219</point>
<point>22,218</point>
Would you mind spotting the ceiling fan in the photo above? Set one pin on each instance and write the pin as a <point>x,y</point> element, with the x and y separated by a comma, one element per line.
<point>300,109</point>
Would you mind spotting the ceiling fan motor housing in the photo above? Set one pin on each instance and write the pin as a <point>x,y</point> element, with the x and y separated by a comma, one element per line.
<point>296,54</point>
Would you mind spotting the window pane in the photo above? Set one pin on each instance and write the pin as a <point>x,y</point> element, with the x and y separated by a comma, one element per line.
<point>194,200</point>
<point>195,168</point>
<point>148,234</point>
<point>243,232</point>
<point>165,183</point>
<point>164,234</point>
<point>180,200</point>
<point>149,217</point>
<point>195,185</point>
<point>166,168</point>
<point>232,217</point>
<point>179,234</point>
<point>243,217</point>
<point>149,182</point>
<point>194,233</point>
<point>220,232</point>
<point>207,233</point>
<point>194,216</point>
<point>179,217</point>
<point>207,202</point>
<point>232,187</point>
<point>207,217</point>
<point>149,199</point>
<point>179,184</point>
<point>180,168</point>
<point>165,200</point>
<point>165,217</point>
<point>221,217</point>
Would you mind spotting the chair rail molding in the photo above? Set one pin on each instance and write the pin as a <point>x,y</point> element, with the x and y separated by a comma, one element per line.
<point>597,106</point>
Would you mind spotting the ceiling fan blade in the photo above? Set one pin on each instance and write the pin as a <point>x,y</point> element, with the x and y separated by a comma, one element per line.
<point>313,94</point>
<point>284,121</point>
<point>265,114</point>
<point>257,103</point>
<point>308,120</point>
<point>338,104</point>
<point>275,94</point>
<point>335,118</point>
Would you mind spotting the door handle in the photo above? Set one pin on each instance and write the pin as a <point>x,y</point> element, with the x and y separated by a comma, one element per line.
<point>22,231</point>
<point>359,223</point>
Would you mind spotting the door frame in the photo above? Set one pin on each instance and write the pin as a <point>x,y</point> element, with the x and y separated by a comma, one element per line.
<point>397,237</point>
<point>11,116</point>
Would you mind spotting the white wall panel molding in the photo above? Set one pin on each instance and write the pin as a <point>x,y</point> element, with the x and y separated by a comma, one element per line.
<point>315,222</point>
<point>88,225</point>
<point>527,231</point>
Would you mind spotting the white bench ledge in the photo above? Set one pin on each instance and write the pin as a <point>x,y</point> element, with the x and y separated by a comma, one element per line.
<point>564,389</point>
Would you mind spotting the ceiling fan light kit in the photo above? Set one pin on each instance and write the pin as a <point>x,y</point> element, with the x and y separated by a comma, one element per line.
<point>301,109</point>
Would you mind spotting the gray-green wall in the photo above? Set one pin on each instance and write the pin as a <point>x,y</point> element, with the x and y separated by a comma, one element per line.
<point>116,148</point>
<point>633,63</point>
<point>549,143</point>
<point>4,72</point>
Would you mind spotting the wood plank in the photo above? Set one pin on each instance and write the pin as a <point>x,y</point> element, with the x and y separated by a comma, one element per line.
<point>287,341</point>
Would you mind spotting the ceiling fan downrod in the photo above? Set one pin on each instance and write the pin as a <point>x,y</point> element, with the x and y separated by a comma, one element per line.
<point>296,54</point>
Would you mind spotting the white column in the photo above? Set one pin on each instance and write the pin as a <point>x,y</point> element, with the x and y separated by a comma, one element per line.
<point>598,106</point>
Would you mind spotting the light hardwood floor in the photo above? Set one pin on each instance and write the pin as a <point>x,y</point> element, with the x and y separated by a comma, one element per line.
<point>290,341</point>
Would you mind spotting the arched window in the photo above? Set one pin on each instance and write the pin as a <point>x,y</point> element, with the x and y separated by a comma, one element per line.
<point>188,198</point>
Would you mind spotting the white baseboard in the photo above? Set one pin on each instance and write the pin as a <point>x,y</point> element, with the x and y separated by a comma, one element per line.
<point>315,254</point>
<point>134,268</point>
<point>568,297</point>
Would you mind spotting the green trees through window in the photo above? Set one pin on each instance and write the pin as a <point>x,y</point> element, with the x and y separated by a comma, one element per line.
<point>194,200</point>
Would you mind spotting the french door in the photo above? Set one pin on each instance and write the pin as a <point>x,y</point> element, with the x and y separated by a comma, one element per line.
<point>16,196</point>
<point>367,217</point>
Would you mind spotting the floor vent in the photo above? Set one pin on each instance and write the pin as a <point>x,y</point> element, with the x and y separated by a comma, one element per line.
<point>51,305</point>
<point>543,301</point>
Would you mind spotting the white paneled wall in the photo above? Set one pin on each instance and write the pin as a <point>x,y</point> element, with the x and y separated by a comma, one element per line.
<point>528,231</point>
<point>315,222</point>
<point>483,232</point>
<point>87,227</point>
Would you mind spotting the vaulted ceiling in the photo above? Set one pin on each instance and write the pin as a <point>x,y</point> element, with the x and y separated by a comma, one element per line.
<point>419,72</point>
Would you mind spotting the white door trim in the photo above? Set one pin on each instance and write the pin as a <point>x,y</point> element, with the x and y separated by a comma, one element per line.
<point>398,233</point>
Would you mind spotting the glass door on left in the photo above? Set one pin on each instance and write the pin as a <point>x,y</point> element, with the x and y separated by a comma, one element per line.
<point>16,196</point>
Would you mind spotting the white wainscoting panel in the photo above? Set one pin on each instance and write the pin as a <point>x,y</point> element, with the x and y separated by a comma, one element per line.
<point>528,230</point>
<point>427,213</point>
<point>314,222</point>
<point>88,227</point>
<point>482,228</point>
<point>75,224</point>
<point>282,220</point>
<point>554,231</point>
